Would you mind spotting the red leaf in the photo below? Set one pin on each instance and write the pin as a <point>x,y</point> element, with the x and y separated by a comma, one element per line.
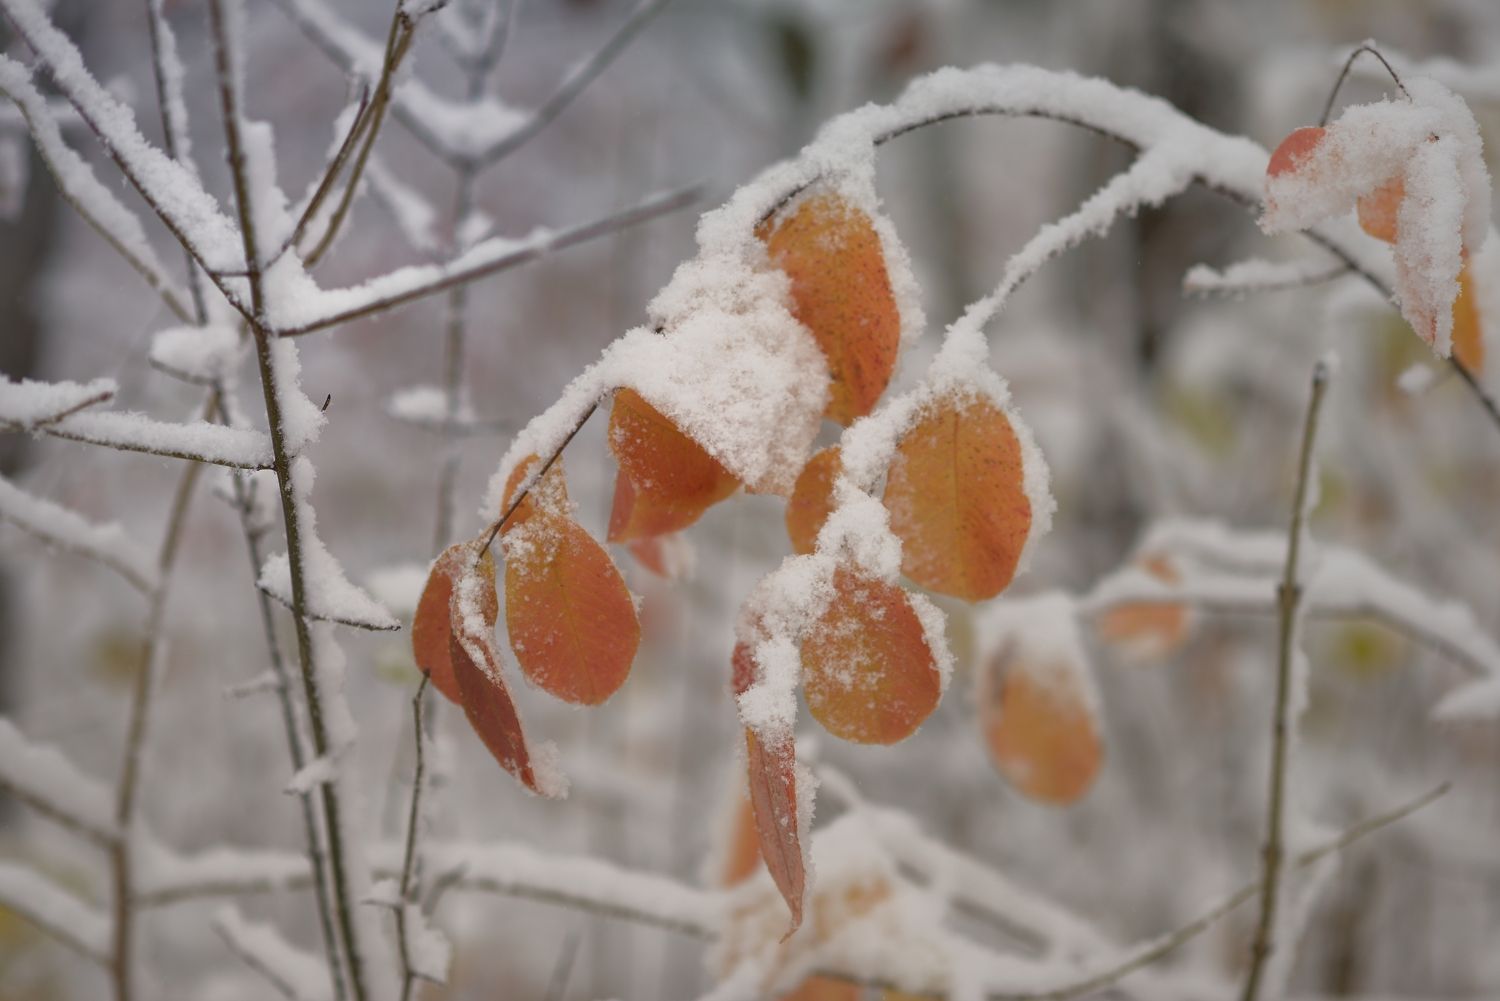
<point>812,500</point>
<point>666,478</point>
<point>1294,149</point>
<point>431,627</point>
<point>772,770</point>
<point>481,687</point>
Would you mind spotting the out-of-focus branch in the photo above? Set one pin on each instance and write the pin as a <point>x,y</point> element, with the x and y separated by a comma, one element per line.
<point>65,529</point>
<point>406,891</point>
<point>1289,596</point>
<point>55,911</point>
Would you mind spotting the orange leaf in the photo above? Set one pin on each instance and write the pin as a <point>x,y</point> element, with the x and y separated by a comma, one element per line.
<point>572,623</point>
<point>773,799</point>
<point>1147,631</point>
<point>841,292</point>
<point>772,771</point>
<point>1041,731</point>
<point>824,989</point>
<point>550,494</point>
<point>666,478</point>
<point>812,499</point>
<point>432,624</point>
<point>867,670</point>
<point>1294,149</point>
<point>742,856</point>
<point>957,501</point>
<point>481,688</point>
<point>1378,209</point>
<point>669,556</point>
<point>1468,332</point>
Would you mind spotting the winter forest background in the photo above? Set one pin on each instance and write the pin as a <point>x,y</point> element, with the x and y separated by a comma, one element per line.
<point>1171,419</point>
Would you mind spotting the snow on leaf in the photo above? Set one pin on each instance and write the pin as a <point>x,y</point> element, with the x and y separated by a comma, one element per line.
<point>1038,710</point>
<point>1414,169</point>
<point>957,498</point>
<point>867,670</point>
<point>548,495</point>
<point>812,500</point>
<point>571,621</point>
<point>482,690</point>
<point>432,626</point>
<point>666,479</point>
<point>842,293</point>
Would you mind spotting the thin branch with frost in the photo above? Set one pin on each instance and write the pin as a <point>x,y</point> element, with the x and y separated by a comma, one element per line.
<point>196,441</point>
<point>306,309</point>
<point>1342,584</point>
<point>1256,276</point>
<point>406,889</point>
<point>1289,596</point>
<point>54,910</point>
<point>30,405</point>
<point>294,974</point>
<point>83,191</point>
<point>68,530</point>
<point>278,374</point>
<point>47,781</point>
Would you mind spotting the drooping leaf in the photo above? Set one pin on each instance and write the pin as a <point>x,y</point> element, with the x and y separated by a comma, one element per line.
<point>1294,150</point>
<point>571,621</point>
<point>431,626</point>
<point>867,670</point>
<point>1468,329</point>
<point>666,479</point>
<point>771,768</point>
<point>1148,631</point>
<point>481,687</point>
<point>1040,728</point>
<point>957,500</point>
<point>841,291</point>
<point>812,499</point>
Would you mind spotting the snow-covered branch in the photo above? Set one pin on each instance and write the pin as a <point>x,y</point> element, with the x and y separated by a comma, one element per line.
<point>54,910</point>
<point>68,530</point>
<point>294,974</point>
<point>45,780</point>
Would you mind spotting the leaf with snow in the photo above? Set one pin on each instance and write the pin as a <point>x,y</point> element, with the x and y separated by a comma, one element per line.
<point>666,479</point>
<point>1415,169</point>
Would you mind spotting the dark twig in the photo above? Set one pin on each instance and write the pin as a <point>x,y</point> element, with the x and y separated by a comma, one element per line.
<point>531,481</point>
<point>1343,73</point>
<point>1289,596</point>
<point>408,891</point>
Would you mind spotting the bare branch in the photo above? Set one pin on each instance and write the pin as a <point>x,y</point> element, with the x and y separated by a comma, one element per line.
<point>407,891</point>
<point>1288,596</point>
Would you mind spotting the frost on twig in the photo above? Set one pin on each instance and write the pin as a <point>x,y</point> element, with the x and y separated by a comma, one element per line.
<point>29,405</point>
<point>55,910</point>
<point>1256,275</point>
<point>44,779</point>
<point>294,974</point>
<point>67,530</point>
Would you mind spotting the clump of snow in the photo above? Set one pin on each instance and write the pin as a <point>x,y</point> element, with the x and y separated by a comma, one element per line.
<point>327,594</point>
<point>399,587</point>
<point>208,354</point>
<point>28,404</point>
<point>428,406</point>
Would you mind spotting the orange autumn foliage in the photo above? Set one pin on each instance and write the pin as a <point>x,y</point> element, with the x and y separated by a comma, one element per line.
<point>812,500</point>
<point>666,479</point>
<point>957,500</point>
<point>841,291</point>
<point>571,621</point>
<point>1041,733</point>
<point>1149,630</point>
<point>431,625</point>
<point>867,670</point>
<point>1294,149</point>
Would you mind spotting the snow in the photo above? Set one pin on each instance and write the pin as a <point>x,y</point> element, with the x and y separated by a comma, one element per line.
<point>1258,275</point>
<point>327,594</point>
<point>162,875</point>
<point>316,772</point>
<point>27,893</point>
<point>1431,142</point>
<point>169,64</point>
<point>399,587</point>
<point>28,404</point>
<point>428,950</point>
<point>173,189</point>
<point>68,530</point>
<point>242,448</point>
<point>97,203</point>
<point>427,406</point>
<point>298,975</point>
<point>1040,635</point>
<point>45,777</point>
<point>207,354</point>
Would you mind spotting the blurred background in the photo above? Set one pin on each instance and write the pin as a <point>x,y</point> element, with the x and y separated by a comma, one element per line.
<point>1147,405</point>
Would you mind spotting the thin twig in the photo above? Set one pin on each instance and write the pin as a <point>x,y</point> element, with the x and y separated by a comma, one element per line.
<point>1343,73</point>
<point>126,801</point>
<point>1289,595</point>
<point>453,368</point>
<point>643,211</point>
<point>531,481</point>
<point>407,891</point>
<point>340,894</point>
<point>330,174</point>
<point>557,985</point>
